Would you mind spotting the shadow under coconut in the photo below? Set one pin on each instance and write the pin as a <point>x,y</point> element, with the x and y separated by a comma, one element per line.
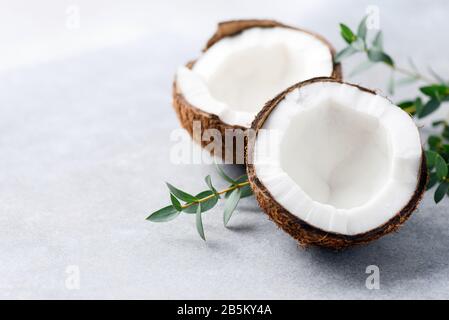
<point>250,206</point>
<point>418,251</point>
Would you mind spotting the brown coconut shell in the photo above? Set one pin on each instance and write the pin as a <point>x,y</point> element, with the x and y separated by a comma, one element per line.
<point>303,232</point>
<point>187,113</point>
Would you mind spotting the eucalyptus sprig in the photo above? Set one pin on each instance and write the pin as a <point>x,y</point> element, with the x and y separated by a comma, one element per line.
<point>183,202</point>
<point>371,45</point>
<point>437,161</point>
<point>359,43</point>
<point>431,96</point>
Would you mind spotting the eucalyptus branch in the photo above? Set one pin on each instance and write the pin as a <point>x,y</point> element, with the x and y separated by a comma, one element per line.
<point>372,46</point>
<point>413,74</point>
<point>432,96</point>
<point>239,185</point>
<point>239,188</point>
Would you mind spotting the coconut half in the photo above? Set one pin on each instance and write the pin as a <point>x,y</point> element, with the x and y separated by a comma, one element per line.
<point>334,164</point>
<point>245,64</point>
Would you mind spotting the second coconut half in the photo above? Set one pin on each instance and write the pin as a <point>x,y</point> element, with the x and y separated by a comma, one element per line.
<point>246,63</point>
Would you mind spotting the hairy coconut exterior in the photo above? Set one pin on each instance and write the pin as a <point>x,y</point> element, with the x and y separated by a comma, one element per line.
<point>303,232</point>
<point>187,113</point>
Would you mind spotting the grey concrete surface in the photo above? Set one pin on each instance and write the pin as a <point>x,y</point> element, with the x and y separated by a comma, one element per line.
<point>84,154</point>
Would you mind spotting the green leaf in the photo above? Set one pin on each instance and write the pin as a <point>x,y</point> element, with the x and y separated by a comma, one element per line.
<point>359,44</point>
<point>365,65</point>
<point>181,194</point>
<point>439,123</point>
<point>199,223</point>
<point>378,42</point>
<point>411,106</point>
<point>347,33</point>
<point>418,105</point>
<point>223,174</point>
<point>163,215</point>
<point>206,205</point>
<point>446,148</point>
<point>404,105</point>
<point>445,133</point>
<point>231,204</point>
<point>246,191</point>
<point>435,91</point>
<point>175,203</point>
<point>380,56</point>
<point>211,187</point>
<point>391,84</point>
<point>444,151</point>
<point>430,157</point>
<point>242,178</point>
<point>431,106</point>
<point>433,179</point>
<point>362,29</point>
<point>434,142</point>
<point>441,167</point>
<point>441,191</point>
<point>346,52</point>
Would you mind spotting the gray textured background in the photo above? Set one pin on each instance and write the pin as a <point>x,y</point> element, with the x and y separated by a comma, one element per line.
<point>85,119</point>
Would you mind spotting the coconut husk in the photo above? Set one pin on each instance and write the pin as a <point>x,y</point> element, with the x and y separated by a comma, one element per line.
<point>304,233</point>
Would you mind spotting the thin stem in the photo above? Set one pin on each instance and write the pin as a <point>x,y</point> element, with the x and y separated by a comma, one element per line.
<point>413,74</point>
<point>408,72</point>
<point>410,110</point>
<point>239,185</point>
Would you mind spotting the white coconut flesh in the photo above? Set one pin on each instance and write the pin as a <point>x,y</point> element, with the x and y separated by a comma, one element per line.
<point>341,159</point>
<point>235,77</point>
